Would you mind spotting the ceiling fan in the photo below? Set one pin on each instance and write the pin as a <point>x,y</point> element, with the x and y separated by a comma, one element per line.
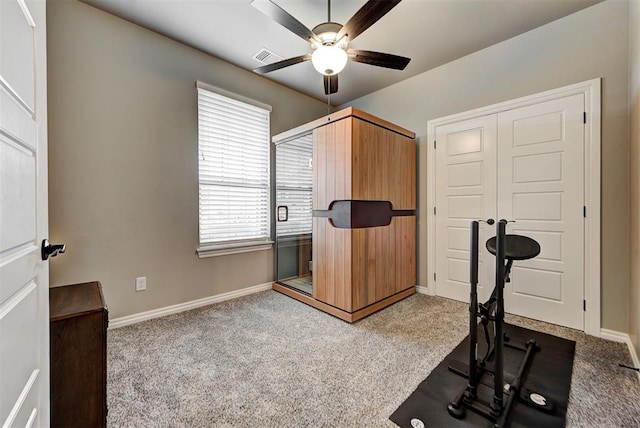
<point>329,41</point>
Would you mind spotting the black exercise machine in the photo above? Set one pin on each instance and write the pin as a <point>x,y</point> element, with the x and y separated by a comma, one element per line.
<point>489,370</point>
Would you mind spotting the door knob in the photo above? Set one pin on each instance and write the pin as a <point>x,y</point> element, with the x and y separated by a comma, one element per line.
<point>51,250</point>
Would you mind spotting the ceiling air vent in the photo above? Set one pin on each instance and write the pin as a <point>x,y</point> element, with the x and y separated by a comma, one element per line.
<point>265,56</point>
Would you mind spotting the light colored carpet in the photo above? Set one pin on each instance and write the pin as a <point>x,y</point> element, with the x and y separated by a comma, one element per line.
<point>267,360</point>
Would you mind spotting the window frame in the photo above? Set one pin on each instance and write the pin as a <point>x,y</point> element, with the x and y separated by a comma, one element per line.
<point>236,246</point>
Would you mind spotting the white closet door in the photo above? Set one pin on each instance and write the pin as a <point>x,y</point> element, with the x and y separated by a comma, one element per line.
<point>540,186</point>
<point>466,191</point>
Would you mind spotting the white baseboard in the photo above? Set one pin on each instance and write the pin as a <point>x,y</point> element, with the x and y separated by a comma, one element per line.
<point>617,336</point>
<point>181,307</point>
<point>422,290</point>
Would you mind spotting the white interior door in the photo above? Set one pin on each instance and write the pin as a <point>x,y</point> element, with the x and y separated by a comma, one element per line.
<point>24,284</point>
<point>540,186</point>
<point>527,165</point>
<point>466,191</point>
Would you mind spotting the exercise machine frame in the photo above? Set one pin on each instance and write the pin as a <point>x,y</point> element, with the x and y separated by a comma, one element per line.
<point>497,411</point>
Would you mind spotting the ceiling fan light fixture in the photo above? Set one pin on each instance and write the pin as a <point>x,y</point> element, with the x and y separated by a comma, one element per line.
<point>328,37</point>
<point>329,60</point>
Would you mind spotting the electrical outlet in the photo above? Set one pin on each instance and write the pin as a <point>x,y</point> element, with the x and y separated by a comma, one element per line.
<point>141,283</point>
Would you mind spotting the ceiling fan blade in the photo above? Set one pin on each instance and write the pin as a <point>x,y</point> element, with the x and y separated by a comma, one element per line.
<point>368,14</point>
<point>283,18</point>
<point>282,64</point>
<point>330,84</point>
<point>379,59</point>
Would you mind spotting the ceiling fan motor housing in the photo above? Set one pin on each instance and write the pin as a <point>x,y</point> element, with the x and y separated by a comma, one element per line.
<point>327,32</point>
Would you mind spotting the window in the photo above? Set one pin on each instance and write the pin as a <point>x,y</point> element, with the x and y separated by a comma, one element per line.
<point>233,152</point>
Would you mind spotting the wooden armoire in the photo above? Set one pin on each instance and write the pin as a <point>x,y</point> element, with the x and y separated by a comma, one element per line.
<point>364,222</point>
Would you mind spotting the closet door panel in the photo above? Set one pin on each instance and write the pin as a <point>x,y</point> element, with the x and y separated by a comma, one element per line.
<point>466,191</point>
<point>540,186</point>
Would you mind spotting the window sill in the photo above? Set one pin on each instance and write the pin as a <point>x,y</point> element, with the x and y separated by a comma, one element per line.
<point>228,249</point>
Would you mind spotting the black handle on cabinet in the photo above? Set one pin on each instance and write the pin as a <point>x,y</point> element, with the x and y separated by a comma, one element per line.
<point>51,250</point>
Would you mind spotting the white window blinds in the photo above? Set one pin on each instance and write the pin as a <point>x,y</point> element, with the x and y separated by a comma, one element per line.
<point>233,151</point>
<point>294,185</point>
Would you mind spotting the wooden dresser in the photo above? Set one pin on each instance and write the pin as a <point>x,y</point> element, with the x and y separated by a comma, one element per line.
<point>79,318</point>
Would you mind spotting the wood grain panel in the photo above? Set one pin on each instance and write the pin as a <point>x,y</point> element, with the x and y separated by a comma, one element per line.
<point>375,263</point>
<point>359,290</point>
<point>319,167</point>
<point>405,251</point>
<point>318,274</point>
<point>338,115</point>
<point>365,145</point>
<point>401,253</point>
<point>404,172</point>
<point>363,159</point>
<point>371,265</point>
<point>343,315</point>
<point>384,165</point>
<point>332,264</point>
<point>331,163</point>
<point>383,261</point>
<point>387,261</point>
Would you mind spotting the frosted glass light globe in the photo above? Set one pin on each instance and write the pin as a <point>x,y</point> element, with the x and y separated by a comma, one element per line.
<point>329,60</point>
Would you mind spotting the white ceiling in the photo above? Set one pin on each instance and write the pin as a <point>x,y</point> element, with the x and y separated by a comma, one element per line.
<point>430,32</point>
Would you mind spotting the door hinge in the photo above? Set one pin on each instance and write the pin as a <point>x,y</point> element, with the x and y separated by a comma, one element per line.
<point>434,210</point>
<point>434,144</point>
<point>584,306</point>
<point>434,277</point>
<point>584,211</point>
<point>584,117</point>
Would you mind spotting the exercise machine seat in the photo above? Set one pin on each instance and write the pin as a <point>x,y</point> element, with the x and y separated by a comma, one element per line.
<point>517,247</point>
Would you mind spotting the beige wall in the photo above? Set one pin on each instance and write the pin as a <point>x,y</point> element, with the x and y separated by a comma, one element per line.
<point>123,159</point>
<point>589,44</point>
<point>634,90</point>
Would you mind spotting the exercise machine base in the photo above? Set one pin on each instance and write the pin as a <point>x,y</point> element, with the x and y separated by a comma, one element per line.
<point>549,375</point>
<point>496,411</point>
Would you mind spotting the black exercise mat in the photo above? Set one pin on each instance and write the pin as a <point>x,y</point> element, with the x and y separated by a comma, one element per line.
<point>549,374</point>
